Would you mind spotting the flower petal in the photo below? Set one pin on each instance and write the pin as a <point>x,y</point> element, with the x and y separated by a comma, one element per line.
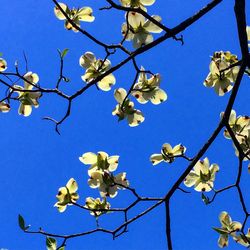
<point>88,158</point>
<point>85,14</point>
<point>156,159</point>
<point>107,82</point>
<point>24,110</point>
<point>151,27</point>
<point>58,12</point>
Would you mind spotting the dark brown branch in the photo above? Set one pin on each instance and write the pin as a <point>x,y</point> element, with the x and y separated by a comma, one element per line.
<point>182,26</point>
<point>168,225</point>
<point>240,14</point>
<point>85,33</point>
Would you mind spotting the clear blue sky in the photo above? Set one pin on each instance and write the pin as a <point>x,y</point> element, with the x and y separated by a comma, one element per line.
<point>35,161</point>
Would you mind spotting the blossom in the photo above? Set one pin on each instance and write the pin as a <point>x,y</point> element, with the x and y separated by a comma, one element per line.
<point>228,228</point>
<point>221,77</point>
<point>168,153</point>
<point>139,30</point>
<point>202,176</point>
<point>95,68</point>
<point>3,65</point>
<point>137,3</point>
<point>107,183</point>
<point>240,126</point>
<point>26,96</point>
<point>245,145</point>
<point>97,204</point>
<point>149,89</point>
<point>125,109</point>
<point>67,195</point>
<point>75,15</point>
<point>100,161</point>
<point>4,107</point>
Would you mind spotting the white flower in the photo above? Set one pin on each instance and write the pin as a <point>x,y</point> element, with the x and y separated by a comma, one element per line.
<point>100,161</point>
<point>28,99</point>
<point>94,68</point>
<point>67,195</point>
<point>244,144</point>
<point>202,176</point>
<point>220,76</point>
<point>240,126</point>
<point>76,15</point>
<point>107,183</point>
<point>125,109</point>
<point>139,29</point>
<point>168,153</point>
<point>97,204</point>
<point>228,228</point>
<point>149,89</point>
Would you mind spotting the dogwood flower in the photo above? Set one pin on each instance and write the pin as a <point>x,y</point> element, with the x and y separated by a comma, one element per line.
<point>100,161</point>
<point>228,228</point>
<point>168,153</point>
<point>28,99</point>
<point>149,89</point>
<point>4,107</point>
<point>240,125</point>
<point>139,30</point>
<point>75,15</point>
<point>67,195</point>
<point>125,109</point>
<point>220,76</point>
<point>241,128</point>
<point>95,68</point>
<point>107,183</point>
<point>244,144</point>
<point>3,65</point>
<point>202,176</point>
<point>97,204</point>
<point>137,3</point>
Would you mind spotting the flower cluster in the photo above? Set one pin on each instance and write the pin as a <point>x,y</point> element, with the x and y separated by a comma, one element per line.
<point>101,175</point>
<point>97,206</point>
<point>75,15</point>
<point>67,195</point>
<point>241,128</point>
<point>125,109</point>
<point>94,68</point>
<point>149,89</point>
<point>137,3</point>
<point>222,74</point>
<point>202,176</point>
<point>229,228</point>
<point>26,96</point>
<point>144,90</point>
<point>168,154</point>
<point>138,29</point>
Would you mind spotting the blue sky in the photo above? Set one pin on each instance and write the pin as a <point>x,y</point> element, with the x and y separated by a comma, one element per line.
<point>35,161</point>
